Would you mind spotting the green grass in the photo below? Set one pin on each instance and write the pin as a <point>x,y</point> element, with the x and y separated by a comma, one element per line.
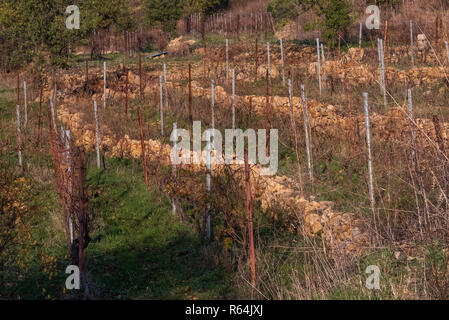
<point>142,251</point>
<point>139,250</point>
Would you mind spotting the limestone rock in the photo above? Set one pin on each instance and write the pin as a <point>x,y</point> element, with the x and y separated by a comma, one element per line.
<point>262,71</point>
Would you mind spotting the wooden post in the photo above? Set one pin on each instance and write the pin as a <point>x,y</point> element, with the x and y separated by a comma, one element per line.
<point>126,90</point>
<point>437,22</point>
<point>249,209</point>
<point>360,41</point>
<point>306,132</point>
<point>268,102</point>
<point>370,165</point>
<point>142,145</point>
<point>440,141</point>
<point>126,44</point>
<point>40,115</point>
<point>97,134</point>
<point>447,50</point>
<point>257,57</point>
<point>19,139</point>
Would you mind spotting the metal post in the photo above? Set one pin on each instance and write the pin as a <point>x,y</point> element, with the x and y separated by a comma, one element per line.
<point>52,109</point>
<point>283,64</point>
<point>319,65</point>
<point>411,43</point>
<point>162,105</point>
<point>97,134</point>
<point>175,147</point>
<point>381,70</point>
<point>306,132</point>
<point>382,65</point>
<point>370,165</point>
<point>104,84</point>
<point>19,140</point>
<point>25,102</point>
<point>65,137</point>
<point>268,61</point>
<point>233,98</point>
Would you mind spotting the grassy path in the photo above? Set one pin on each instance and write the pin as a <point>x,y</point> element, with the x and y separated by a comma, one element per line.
<point>140,250</point>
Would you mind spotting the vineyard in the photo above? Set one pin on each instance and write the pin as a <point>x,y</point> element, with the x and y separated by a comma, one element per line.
<point>341,163</point>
